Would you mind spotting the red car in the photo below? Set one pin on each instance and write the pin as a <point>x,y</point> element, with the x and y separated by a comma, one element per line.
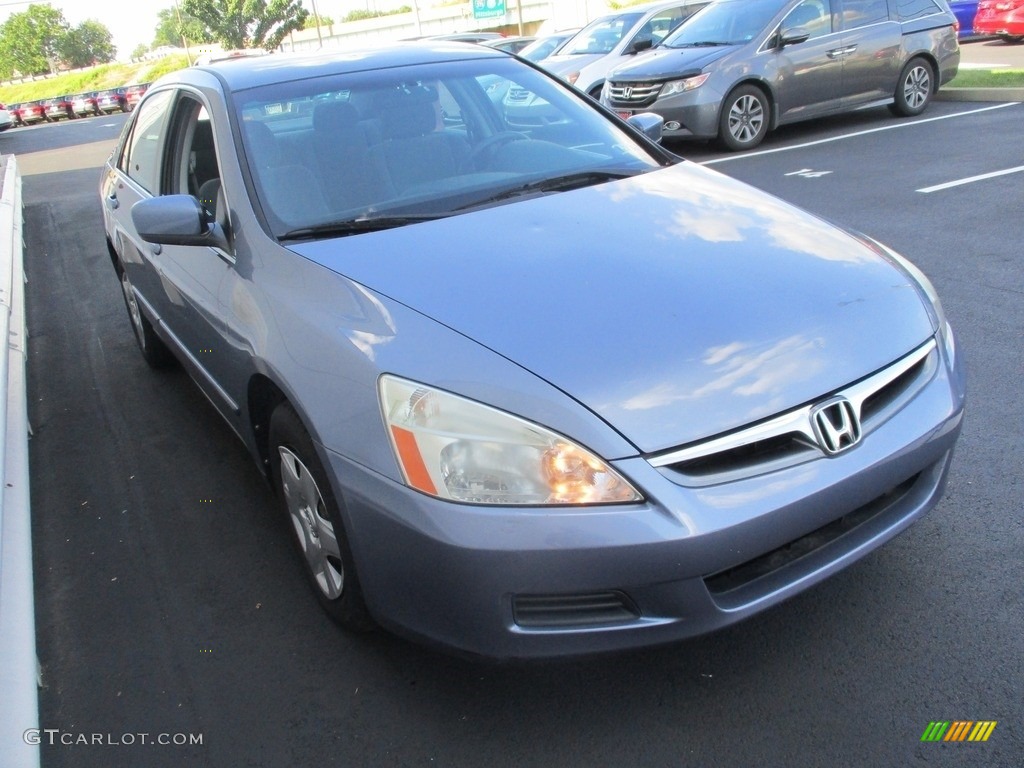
<point>29,113</point>
<point>135,92</point>
<point>1002,18</point>
<point>59,107</point>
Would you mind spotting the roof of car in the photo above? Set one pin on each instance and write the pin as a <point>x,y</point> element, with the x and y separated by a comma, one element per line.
<point>251,72</point>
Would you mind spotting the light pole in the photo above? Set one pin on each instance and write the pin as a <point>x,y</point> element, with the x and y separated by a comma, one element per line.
<point>316,17</point>
<point>181,31</point>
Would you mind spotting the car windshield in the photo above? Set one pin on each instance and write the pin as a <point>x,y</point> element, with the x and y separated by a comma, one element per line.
<point>725,22</point>
<point>601,35</point>
<point>543,47</point>
<point>349,153</point>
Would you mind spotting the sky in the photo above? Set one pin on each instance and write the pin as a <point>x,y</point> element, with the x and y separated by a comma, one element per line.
<point>132,22</point>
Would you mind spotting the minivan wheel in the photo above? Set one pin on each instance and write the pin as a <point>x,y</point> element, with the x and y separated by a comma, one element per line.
<point>743,122</point>
<point>914,89</point>
<point>314,516</point>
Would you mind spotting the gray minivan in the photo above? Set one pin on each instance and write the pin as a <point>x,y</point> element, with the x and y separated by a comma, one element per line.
<point>738,68</point>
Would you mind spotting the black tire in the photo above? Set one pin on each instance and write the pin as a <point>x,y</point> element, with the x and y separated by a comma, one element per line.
<point>1012,39</point>
<point>914,90</point>
<point>152,347</point>
<point>743,122</point>
<point>315,517</point>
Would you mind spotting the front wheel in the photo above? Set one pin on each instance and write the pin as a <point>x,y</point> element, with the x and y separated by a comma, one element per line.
<point>1011,39</point>
<point>743,123</point>
<point>153,349</point>
<point>314,515</point>
<point>914,89</point>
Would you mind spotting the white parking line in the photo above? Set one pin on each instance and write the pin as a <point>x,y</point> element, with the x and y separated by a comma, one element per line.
<point>970,180</point>
<point>746,155</point>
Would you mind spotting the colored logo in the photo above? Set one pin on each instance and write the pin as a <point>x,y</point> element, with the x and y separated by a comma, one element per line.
<point>958,730</point>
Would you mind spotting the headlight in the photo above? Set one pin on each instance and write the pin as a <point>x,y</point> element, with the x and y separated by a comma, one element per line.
<point>572,77</point>
<point>460,450</point>
<point>927,290</point>
<point>681,86</point>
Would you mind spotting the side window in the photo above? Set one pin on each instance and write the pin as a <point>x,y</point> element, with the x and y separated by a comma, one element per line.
<point>861,13</point>
<point>658,26</point>
<point>141,159</point>
<point>194,167</point>
<point>815,16</point>
<point>915,9</point>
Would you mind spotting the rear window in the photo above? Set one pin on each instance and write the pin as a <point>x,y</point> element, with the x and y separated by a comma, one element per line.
<point>916,9</point>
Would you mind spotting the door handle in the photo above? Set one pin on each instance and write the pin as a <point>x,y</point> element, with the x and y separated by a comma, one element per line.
<point>112,203</point>
<point>838,53</point>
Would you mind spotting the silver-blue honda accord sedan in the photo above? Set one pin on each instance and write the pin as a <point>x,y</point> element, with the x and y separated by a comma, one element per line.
<point>523,394</point>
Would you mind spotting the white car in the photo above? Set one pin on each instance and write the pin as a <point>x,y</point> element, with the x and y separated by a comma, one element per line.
<point>608,41</point>
<point>6,121</point>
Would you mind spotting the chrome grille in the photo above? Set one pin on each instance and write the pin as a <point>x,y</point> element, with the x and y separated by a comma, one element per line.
<point>790,439</point>
<point>517,94</point>
<point>633,93</point>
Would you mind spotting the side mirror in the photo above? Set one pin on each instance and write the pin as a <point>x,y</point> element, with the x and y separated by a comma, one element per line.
<point>792,36</point>
<point>649,124</point>
<point>177,220</point>
<point>643,44</point>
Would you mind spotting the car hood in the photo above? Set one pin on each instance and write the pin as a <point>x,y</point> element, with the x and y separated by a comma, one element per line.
<point>675,305</point>
<point>670,62</point>
<point>560,66</point>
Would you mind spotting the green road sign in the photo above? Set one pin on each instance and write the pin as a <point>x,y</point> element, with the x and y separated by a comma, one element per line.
<point>488,9</point>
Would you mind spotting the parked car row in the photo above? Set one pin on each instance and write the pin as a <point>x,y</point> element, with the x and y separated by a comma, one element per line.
<point>69,107</point>
<point>732,70</point>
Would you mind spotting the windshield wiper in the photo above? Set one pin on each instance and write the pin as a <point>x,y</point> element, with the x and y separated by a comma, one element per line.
<point>554,184</point>
<point>357,226</point>
<point>701,44</point>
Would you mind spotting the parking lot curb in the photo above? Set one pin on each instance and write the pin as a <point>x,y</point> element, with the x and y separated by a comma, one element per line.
<point>19,705</point>
<point>980,94</point>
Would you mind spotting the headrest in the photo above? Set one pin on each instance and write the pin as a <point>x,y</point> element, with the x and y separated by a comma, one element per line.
<point>263,148</point>
<point>335,117</point>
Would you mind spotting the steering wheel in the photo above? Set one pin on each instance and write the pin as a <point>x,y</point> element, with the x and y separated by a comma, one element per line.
<point>489,145</point>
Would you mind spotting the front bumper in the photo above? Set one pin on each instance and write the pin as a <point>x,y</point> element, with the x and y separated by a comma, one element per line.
<point>693,114</point>
<point>516,583</point>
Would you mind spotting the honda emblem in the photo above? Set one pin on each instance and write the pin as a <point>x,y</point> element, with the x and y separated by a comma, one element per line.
<point>836,425</point>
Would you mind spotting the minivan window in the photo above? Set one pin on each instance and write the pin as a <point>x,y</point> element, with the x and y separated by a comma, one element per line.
<point>725,22</point>
<point>601,35</point>
<point>861,13</point>
<point>916,9</point>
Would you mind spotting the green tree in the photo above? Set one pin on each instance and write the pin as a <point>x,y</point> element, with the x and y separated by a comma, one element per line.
<point>139,51</point>
<point>29,40</point>
<point>87,44</point>
<point>325,21</point>
<point>174,24</point>
<point>248,23</point>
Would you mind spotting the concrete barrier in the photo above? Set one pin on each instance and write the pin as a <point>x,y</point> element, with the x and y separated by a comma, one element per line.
<point>19,666</point>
